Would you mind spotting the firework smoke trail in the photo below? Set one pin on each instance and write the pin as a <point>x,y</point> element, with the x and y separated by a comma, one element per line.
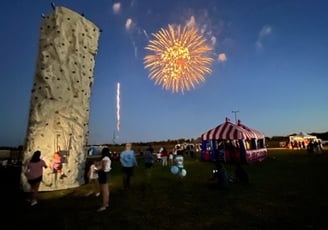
<point>118,107</point>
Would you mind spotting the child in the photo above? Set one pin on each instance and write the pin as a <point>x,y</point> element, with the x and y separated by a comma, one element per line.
<point>93,180</point>
<point>220,174</point>
<point>179,162</point>
<point>171,158</point>
<point>57,165</point>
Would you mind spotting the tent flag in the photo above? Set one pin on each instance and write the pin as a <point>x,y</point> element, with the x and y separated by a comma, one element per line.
<point>258,134</point>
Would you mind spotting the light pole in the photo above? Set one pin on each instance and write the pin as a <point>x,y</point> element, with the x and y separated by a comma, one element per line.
<point>235,112</point>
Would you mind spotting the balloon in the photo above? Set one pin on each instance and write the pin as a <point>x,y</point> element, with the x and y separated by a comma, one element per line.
<point>183,172</point>
<point>174,169</point>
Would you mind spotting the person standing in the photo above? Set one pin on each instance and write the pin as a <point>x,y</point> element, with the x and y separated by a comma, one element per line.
<point>148,160</point>
<point>179,159</point>
<point>171,158</point>
<point>241,174</point>
<point>164,156</point>
<point>128,162</point>
<point>103,175</point>
<point>221,176</point>
<point>34,174</point>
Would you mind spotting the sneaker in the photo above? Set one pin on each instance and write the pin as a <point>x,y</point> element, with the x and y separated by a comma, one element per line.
<point>34,202</point>
<point>102,208</point>
<point>88,194</point>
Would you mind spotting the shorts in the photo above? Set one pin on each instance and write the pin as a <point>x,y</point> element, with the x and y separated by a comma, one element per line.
<point>35,181</point>
<point>57,167</point>
<point>103,177</point>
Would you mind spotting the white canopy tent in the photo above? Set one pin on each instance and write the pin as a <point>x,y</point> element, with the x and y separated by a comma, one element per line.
<point>301,140</point>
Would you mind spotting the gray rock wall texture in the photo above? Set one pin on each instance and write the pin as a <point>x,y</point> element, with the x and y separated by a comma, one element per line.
<point>60,98</point>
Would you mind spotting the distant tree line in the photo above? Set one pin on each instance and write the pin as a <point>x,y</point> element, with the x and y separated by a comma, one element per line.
<point>273,139</point>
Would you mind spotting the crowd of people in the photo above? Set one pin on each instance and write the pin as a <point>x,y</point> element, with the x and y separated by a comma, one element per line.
<point>312,146</point>
<point>99,171</point>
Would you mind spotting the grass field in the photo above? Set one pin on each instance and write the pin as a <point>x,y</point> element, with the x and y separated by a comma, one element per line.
<point>288,190</point>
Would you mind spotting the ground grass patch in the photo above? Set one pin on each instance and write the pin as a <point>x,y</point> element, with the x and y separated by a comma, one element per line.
<point>288,190</point>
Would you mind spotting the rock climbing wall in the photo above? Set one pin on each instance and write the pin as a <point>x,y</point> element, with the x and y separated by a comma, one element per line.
<point>60,98</point>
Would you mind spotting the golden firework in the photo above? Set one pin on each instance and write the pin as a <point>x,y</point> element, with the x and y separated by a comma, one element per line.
<point>180,58</point>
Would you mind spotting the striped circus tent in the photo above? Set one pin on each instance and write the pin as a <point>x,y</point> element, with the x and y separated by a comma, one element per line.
<point>228,131</point>
<point>257,134</point>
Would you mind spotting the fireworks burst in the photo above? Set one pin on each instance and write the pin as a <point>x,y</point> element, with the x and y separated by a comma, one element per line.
<point>180,58</point>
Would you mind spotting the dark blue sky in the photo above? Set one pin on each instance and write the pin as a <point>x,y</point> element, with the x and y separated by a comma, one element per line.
<point>275,70</point>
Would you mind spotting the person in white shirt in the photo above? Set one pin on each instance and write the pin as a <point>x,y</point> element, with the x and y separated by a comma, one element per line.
<point>103,175</point>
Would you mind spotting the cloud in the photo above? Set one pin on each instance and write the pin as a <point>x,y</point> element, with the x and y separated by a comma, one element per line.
<point>191,22</point>
<point>264,32</point>
<point>213,41</point>
<point>116,7</point>
<point>222,57</point>
<point>128,23</point>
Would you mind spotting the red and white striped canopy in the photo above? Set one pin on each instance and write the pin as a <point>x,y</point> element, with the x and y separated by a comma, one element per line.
<point>258,134</point>
<point>227,131</point>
